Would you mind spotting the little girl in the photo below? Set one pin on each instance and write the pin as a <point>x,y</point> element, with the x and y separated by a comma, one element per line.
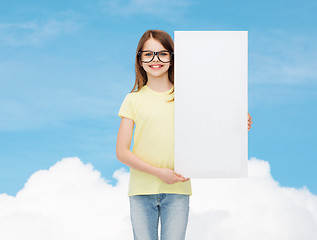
<point>155,189</point>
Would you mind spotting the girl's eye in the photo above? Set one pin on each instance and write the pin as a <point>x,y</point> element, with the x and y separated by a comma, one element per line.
<point>163,54</point>
<point>148,54</point>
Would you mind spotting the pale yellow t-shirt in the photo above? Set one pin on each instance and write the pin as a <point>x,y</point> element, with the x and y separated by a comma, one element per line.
<point>153,139</point>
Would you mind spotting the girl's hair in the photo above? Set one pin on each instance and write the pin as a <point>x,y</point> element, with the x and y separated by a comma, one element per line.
<point>140,75</point>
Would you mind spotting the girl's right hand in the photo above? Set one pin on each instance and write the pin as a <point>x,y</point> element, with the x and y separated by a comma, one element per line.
<point>169,176</point>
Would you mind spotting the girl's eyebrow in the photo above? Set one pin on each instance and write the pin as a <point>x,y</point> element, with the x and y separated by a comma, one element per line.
<point>154,51</point>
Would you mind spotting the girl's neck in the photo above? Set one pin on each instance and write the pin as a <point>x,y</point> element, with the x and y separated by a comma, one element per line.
<point>161,84</point>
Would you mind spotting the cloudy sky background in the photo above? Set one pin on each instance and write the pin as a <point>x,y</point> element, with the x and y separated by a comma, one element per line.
<point>65,68</point>
<point>71,200</point>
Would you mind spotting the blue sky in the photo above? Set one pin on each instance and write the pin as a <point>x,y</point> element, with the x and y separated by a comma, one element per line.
<point>65,68</point>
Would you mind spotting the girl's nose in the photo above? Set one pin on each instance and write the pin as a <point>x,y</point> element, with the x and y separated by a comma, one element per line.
<point>155,58</point>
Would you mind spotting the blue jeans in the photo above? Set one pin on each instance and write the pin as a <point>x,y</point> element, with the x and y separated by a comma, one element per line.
<point>145,211</point>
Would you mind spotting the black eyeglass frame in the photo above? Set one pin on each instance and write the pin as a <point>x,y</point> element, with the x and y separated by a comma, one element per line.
<point>156,53</point>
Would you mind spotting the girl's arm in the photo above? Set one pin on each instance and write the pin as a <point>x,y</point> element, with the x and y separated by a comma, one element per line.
<point>128,158</point>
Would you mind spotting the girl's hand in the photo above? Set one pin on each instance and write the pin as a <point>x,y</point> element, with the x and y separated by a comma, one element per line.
<point>249,121</point>
<point>169,176</point>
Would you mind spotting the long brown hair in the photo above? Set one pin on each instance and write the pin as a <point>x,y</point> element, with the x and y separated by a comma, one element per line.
<point>140,75</point>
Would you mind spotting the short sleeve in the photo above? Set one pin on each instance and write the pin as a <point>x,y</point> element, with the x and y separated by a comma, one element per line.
<point>127,108</point>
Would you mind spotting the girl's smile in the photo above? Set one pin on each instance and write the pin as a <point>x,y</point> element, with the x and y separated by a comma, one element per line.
<point>156,66</point>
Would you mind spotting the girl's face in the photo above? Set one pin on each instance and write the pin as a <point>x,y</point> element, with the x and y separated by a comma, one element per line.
<point>155,68</point>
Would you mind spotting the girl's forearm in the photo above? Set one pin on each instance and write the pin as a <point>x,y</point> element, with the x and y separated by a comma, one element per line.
<point>133,161</point>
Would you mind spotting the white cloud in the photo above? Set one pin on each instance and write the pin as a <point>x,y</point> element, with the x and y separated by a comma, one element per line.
<point>72,201</point>
<point>34,32</point>
<point>69,201</point>
<point>163,9</point>
<point>283,57</point>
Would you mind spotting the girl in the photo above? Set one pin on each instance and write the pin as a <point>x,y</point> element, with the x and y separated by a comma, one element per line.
<point>155,189</point>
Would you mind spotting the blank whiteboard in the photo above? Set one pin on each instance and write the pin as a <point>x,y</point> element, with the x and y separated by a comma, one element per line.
<point>211,103</point>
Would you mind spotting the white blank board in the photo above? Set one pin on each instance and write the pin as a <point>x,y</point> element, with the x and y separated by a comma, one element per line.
<point>211,103</point>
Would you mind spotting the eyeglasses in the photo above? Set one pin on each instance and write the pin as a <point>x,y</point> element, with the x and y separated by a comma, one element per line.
<point>164,56</point>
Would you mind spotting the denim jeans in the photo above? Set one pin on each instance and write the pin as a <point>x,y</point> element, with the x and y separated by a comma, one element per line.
<point>145,211</point>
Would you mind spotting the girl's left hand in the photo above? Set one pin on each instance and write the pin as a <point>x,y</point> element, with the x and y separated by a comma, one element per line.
<point>249,121</point>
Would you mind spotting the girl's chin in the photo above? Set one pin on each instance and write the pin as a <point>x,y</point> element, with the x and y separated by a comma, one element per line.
<point>157,71</point>
<point>155,75</point>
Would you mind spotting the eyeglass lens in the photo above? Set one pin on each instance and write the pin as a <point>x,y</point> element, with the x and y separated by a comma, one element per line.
<point>163,56</point>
